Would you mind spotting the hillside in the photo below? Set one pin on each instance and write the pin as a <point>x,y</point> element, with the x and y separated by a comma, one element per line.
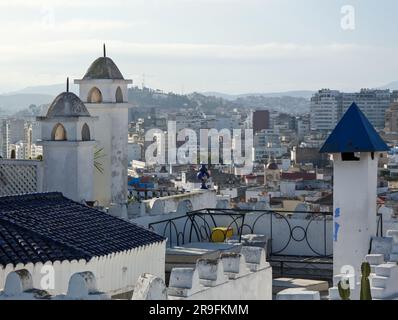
<point>295,94</point>
<point>12,103</point>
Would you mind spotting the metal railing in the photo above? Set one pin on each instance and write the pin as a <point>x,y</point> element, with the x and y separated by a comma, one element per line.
<point>380,225</point>
<point>199,226</point>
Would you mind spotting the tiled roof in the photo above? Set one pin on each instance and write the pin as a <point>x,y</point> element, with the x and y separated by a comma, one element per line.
<point>354,133</point>
<point>103,68</point>
<point>49,227</point>
<point>67,104</point>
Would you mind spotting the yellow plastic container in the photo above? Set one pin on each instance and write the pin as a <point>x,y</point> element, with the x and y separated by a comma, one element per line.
<point>220,234</point>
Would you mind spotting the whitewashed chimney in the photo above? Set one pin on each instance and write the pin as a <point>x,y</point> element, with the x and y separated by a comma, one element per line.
<point>355,146</point>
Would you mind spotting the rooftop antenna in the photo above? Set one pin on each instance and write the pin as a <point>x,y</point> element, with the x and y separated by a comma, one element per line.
<point>67,84</point>
<point>104,51</point>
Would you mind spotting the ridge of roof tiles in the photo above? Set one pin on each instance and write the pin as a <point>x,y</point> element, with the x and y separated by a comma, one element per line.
<point>48,227</point>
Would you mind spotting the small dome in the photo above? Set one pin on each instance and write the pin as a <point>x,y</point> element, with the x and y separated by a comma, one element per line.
<point>103,68</point>
<point>67,104</point>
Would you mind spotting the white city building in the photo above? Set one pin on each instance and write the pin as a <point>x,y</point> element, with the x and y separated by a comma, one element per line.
<point>325,109</point>
<point>5,138</point>
<point>328,106</point>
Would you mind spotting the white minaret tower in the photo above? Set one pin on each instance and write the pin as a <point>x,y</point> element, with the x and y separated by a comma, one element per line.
<point>68,148</point>
<point>355,146</point>
<point>104,91</point>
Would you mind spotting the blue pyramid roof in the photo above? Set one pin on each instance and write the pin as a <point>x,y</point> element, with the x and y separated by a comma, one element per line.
<point>354,133</point>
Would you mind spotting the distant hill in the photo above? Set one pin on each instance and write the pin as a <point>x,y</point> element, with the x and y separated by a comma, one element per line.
<point>306,94</point>
<point>392,86</point>
<point>285,104</point>
<point>12,103</point>
<point>52,89</point>
<point>20,100</point>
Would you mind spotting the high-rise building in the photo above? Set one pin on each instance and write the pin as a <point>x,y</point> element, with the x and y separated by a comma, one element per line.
<point>373,103</point>
<point>302,126</point>
<point>16,130</point>
<point>328,106</point>
<point>325,109</point>
<point>261,120</point>
<point>391,119</point>
<point>4,138</point>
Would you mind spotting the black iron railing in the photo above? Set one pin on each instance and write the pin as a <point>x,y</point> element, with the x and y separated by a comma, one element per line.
<point>310,234</point>
<point>380,225</point>
<point>146,194</point>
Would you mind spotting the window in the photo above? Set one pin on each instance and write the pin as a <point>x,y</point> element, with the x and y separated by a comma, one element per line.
<point>86,133</point>
<point>58,133</point>
<point>350,156</point>
<point>94,96</point>
<point>119,95</point>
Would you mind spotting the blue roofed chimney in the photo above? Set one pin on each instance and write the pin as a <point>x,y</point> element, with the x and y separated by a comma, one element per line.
<point>354,133</point>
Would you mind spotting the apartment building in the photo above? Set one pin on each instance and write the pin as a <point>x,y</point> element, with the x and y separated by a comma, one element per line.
<point>328,106</point>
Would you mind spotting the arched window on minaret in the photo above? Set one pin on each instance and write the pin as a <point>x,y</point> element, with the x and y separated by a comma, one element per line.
<point>86,133</point>
<point>58,133</point>
<point>94,96</point>
<point>119,95</point>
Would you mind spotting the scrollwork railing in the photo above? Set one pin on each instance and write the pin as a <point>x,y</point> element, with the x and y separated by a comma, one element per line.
<point>289,232</point>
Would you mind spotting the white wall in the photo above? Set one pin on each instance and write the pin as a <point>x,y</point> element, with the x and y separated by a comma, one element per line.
<point>116,273</point>
<point>112,135</point>
<point>68,168</point>
<point>253,286</point>
<point>354,198</point>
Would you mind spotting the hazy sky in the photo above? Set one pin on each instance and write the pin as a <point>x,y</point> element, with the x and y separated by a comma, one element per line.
<point>232,46</point>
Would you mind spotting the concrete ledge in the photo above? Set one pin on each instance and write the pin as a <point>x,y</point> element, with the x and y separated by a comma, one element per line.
<point>298,294</point>
<point>255,258</point>
<point>375,259</point>
<point>234,265</point>
<point>83,286</point>
<point>211,272</point>
<point>149,287</point>
<point>184,282</point>
<point>306,284</point>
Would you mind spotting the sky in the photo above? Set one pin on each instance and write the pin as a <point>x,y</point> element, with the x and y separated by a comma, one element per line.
<point>230,46</point>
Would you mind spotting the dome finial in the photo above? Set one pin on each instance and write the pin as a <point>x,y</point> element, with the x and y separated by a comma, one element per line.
<point>67,84</point>
<point>104,51</point>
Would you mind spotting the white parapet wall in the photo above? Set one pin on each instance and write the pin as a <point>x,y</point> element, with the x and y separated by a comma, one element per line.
<point>180,203</point>
<point>208,281</point>
<point>81,286</point>
<point>157,209</point>
<point>229,278</point>
<point>115,274</point>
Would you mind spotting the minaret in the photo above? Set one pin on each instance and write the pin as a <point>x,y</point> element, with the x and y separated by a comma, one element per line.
<point>104,91</point>
<point>356,147</point>
<point>68,147</point>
